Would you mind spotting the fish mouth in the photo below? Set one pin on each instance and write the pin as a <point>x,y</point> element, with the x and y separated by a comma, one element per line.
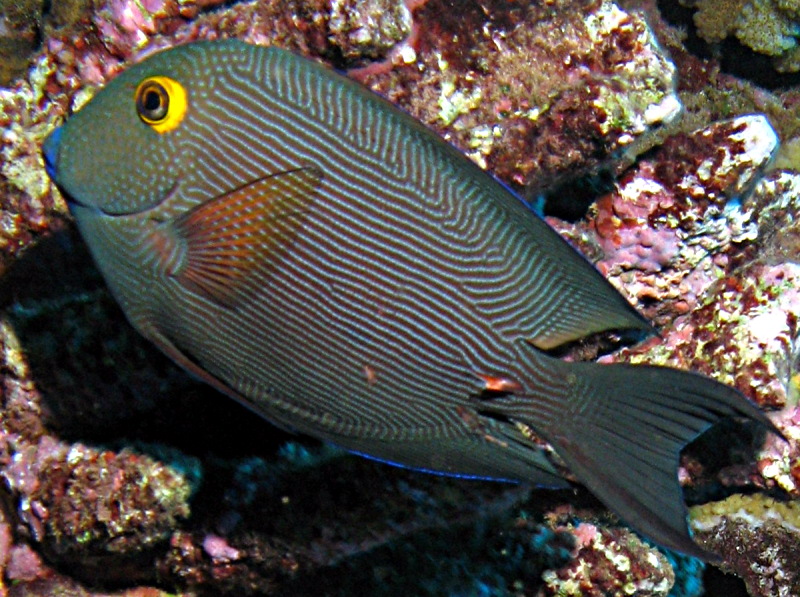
<point>50,153</point>
<point>76,205</point>
<point>171,192</point>
<point>73,203</point>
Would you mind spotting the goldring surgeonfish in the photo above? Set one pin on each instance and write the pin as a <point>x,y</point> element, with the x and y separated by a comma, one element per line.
<point>308,249</point>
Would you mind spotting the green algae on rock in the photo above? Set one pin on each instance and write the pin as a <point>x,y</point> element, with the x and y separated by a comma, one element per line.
<point>770,27</point>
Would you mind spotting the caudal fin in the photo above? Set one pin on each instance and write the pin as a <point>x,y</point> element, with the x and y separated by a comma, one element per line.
<point>621,429</point>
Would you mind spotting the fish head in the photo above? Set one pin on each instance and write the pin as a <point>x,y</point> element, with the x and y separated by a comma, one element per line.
<point>131,146</point>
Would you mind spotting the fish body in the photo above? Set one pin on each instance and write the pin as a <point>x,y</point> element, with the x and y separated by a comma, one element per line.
<point>315,253</point>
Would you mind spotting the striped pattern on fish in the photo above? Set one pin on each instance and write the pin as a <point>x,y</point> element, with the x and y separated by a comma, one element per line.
<point>308,249</point>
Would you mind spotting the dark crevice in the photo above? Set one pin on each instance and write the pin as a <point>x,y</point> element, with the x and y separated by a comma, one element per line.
<point>596,345</point>
<point>716,582</point>
<point>571,200</point>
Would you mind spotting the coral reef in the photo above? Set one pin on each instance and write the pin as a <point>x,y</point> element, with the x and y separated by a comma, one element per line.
<point>79,499</point>
<point>566,92</point>
<point>610,562</point>
<point>744,329</point>
<point>28,208</point>
<point>367,29</point>
<point>20,22</point>
<point>770,27</point>
<point>758,538</point>
<point>75,502</point>
<point>665,229</point>
<point>693,232</point>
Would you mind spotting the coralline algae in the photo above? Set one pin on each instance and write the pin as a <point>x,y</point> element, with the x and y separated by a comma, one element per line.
<point>667,229</point>
<point>610,562</point>
<point>697,232</point>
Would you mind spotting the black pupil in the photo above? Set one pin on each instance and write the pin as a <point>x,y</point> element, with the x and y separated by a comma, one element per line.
<point>153,102</point>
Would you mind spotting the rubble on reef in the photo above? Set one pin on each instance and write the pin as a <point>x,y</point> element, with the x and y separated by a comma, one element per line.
<point>611,562</point>
<point>119,473</point>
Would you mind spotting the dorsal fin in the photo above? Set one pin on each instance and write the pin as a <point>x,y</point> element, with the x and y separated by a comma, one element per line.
<point>234,234</point>
<point>580,301</point>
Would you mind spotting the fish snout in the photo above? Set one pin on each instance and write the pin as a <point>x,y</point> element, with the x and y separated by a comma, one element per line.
<point>50,151</point>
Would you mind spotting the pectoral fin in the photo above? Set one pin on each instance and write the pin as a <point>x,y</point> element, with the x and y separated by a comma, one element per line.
<point>229,237</point>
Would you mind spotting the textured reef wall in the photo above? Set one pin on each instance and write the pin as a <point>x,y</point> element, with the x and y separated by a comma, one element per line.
<point>768,27</point>
<point>120,474</point>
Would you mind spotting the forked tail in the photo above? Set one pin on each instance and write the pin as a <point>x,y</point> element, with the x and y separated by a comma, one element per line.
<point>621,428</point>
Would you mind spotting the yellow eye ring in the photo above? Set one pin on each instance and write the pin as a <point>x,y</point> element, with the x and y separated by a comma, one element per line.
<point>161,103</point>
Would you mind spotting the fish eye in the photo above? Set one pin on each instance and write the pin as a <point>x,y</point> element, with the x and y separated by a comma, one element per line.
<point>160,103</point>
<point>152,102</point>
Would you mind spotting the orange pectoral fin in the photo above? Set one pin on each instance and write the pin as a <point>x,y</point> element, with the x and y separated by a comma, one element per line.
<point>236,234</point>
